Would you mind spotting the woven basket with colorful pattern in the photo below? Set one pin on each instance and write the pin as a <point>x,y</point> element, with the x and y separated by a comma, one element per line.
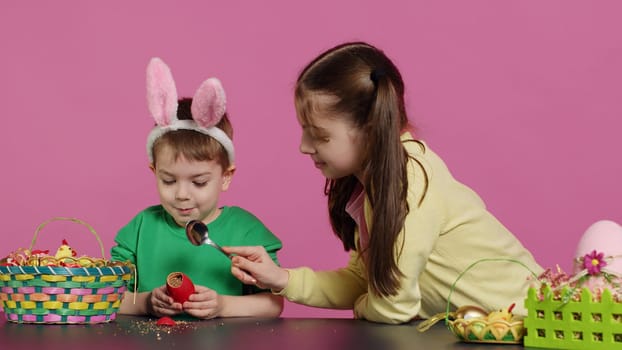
<point>58,294</point>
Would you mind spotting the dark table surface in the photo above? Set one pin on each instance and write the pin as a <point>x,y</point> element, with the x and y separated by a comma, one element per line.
<point>236,333</point>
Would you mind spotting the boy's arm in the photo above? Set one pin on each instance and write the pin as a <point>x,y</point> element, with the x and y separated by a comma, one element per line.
<point>263,304</point>
<point>140,307</point>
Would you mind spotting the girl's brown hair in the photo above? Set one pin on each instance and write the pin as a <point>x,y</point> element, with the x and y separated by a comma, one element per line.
<point>194,145</point>
<point>368,88</point>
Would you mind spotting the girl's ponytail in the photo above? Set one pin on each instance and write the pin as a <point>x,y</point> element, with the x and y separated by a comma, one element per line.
<point>386,181</point>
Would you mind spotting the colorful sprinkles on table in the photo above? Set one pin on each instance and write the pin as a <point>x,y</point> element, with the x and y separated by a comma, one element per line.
<point>151,327</point>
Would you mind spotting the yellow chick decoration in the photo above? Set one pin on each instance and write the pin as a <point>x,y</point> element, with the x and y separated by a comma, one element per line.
<point>63,252</point>
<point>502,314</point>
<point>499,321</point>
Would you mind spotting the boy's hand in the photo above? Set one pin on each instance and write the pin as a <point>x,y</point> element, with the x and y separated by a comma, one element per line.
<point>253,265</point>
<point>205,303</point>
<point>161,304</point>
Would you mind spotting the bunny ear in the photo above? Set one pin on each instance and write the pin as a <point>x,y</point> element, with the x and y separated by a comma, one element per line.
<point>161,92</point>
<point>209,103</point>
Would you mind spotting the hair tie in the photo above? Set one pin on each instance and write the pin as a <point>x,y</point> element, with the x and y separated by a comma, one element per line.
<point>376,74</point>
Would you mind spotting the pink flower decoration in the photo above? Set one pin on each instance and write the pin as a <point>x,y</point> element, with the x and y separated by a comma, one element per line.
<point>594,262</point>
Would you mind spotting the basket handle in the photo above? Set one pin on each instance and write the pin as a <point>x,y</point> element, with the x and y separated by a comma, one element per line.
<point>78,221</point>
<point>453,286</point>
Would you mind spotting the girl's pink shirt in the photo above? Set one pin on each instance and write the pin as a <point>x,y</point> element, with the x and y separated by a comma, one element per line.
<point>355,208</point>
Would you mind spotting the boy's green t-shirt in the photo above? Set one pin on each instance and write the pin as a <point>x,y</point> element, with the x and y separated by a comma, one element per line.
<point>158,246</point>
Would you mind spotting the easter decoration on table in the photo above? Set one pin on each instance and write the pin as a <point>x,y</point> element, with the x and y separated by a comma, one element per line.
<point>65,256</point>
<point>65,251</point>
<point>496,326</point>
<point>582,310</point>
<point>499,326</point>
<point>595,269</point>
<point>37,287</point>
<point>471,323</point>
<point>465,312</point>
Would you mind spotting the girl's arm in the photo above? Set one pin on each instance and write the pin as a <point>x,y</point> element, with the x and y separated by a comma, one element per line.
<point>252,305</point>
<point>335,289</point>
<point>328,289</point>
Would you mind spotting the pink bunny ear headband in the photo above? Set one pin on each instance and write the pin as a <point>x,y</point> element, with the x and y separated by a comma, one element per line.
<point>208,107</point>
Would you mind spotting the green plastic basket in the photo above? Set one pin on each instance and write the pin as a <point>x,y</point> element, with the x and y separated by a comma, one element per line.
<point>585,324</point>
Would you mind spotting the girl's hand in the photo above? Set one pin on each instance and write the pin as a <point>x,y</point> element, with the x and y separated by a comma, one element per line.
<point>161,304</point>
<point>253,265</point>
<point>205,303</point>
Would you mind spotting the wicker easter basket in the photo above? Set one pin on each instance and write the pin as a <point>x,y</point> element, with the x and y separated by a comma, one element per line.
<point>41,294</point>
<point>482,330</point>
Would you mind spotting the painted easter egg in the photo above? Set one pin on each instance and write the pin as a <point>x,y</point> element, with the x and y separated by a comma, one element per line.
<point>166,321</point>
<point>604,237</point>
<point>179,286</point>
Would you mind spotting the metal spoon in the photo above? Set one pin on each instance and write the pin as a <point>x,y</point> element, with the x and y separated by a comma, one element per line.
<point>196,231</point>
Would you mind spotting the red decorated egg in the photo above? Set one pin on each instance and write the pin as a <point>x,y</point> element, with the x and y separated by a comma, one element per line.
<point>165,321</point>
<point>179,286</point>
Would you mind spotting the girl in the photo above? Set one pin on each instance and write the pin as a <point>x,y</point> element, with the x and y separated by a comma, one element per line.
<point>410,227</point>
<point>192,157</point>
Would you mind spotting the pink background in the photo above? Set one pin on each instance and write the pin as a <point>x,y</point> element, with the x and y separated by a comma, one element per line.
<point>521,98</point>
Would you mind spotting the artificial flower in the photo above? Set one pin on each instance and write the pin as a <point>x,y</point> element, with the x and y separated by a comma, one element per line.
<point>593,262</point>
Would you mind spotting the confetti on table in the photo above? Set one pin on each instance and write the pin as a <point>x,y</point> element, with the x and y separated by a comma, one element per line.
<point>152,328</point>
